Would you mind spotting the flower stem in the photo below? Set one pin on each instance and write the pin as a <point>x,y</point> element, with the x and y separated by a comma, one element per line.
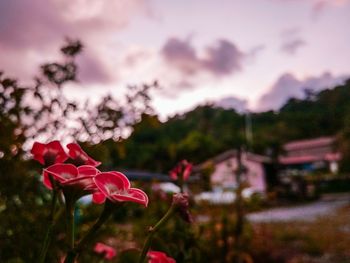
<point>74,252</point>
<point>48,235</point>
<point>153,230</point>
<point>70,223</point>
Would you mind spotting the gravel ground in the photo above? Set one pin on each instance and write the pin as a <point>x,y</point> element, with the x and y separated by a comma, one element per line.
<point>307,212</point>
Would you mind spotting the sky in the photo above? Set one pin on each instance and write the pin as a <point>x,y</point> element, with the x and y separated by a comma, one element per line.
<point>247,54</point>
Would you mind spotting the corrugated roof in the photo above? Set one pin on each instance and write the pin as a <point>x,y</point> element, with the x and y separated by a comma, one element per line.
<point>298,159</point>
<point>233,153</point>
<point>310,143</point>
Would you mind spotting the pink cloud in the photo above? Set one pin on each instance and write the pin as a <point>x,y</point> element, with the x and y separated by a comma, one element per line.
<point>288,85</point>
<point>291,40</point>
<point>31,32</point>
<point>222,58</point>
<point>320,5</point>
<point>291,46</point>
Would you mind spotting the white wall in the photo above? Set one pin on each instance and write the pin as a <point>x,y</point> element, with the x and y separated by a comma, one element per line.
<point>223,175</point>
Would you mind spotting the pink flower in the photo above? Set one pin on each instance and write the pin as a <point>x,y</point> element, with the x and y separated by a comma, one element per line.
<point>183,169</point>
<point>159,257</point>
<point>175,172</point>
<point>98,197</point>
<point>50,153</point>
<point>109,252</point>
<point>69,176</point>
<point>187,170</point>
<point>116,187</point>
<point>80,157</point>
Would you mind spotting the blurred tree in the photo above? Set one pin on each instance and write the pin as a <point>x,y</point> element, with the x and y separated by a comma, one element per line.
<point>28,112</point>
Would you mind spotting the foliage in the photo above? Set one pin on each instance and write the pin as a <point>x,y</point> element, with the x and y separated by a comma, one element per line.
<point>206,131</point>
<point>42,111</point>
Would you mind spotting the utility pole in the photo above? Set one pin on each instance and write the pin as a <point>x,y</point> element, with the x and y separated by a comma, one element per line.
<point>248,129</point>
<point>239,200</point>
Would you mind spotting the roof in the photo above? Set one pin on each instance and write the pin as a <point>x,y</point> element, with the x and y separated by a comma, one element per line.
<point>333,156</point>
<point>309,158</point>
<point>298,159</point>
<point>309,143</point>
<point>232,154</point>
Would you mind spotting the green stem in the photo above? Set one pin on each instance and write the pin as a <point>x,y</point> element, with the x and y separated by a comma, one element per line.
<point>181,183</point>
<point>48,235</point>
<point>73,253</point>
<point>153,230</point>
<point>70,223</point>
<point>46,243</point>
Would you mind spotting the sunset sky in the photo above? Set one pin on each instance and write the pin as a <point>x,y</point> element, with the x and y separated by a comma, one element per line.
<point>253,53</point>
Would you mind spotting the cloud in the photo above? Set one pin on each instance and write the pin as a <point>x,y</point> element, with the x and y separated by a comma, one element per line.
<point>288,85</point>
<point>135,56</point>
<point>220,59</point>
<point>223,58</point>
<point>292,46</point>
<point>240,105</point>
<point>291,40</point>
<point>181,55</point>
<point>92,70</point>
<point>320,5</point>
<point>31,31</point>
<point>255,51</point>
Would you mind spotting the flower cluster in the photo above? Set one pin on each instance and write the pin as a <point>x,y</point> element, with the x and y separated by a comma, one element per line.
<point>74,174</point>
<point>81,177</point>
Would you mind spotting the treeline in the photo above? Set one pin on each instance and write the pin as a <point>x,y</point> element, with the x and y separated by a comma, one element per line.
<point>41,112</point>
<point>207,130</point>
<point>153,145</point>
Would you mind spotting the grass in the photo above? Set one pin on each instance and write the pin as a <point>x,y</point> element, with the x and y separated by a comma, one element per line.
<point>327,239</point>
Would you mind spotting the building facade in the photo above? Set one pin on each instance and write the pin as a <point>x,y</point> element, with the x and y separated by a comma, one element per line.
<point>225,165</point>
<point>303,157</point>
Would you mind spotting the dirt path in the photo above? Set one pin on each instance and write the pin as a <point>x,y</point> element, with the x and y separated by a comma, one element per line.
<point>307,212</point>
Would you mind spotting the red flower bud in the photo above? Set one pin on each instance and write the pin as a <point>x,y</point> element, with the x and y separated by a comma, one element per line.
<point>109,252</point>
<point>159,257</point>
<point>183,169</point>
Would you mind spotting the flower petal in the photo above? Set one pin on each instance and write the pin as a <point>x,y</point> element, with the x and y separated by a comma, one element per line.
<point>109,182</point>
<point>77,154</point>
<point>48,154</point>
<point>115,186</point>
<point>187,171</point>
<point>38,150</point>
<point>60,172</point>
<point>56,147</point>
<point>134,195</point>
<point>87,170</point>
<point>126,182</point>
<point>98,198</point>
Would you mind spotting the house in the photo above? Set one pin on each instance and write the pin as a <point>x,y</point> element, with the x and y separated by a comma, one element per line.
<point>224,167</point>
<point>306,156</point>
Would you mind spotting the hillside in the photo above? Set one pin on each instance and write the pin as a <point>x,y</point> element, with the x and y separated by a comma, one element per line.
<point>208,130</point>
